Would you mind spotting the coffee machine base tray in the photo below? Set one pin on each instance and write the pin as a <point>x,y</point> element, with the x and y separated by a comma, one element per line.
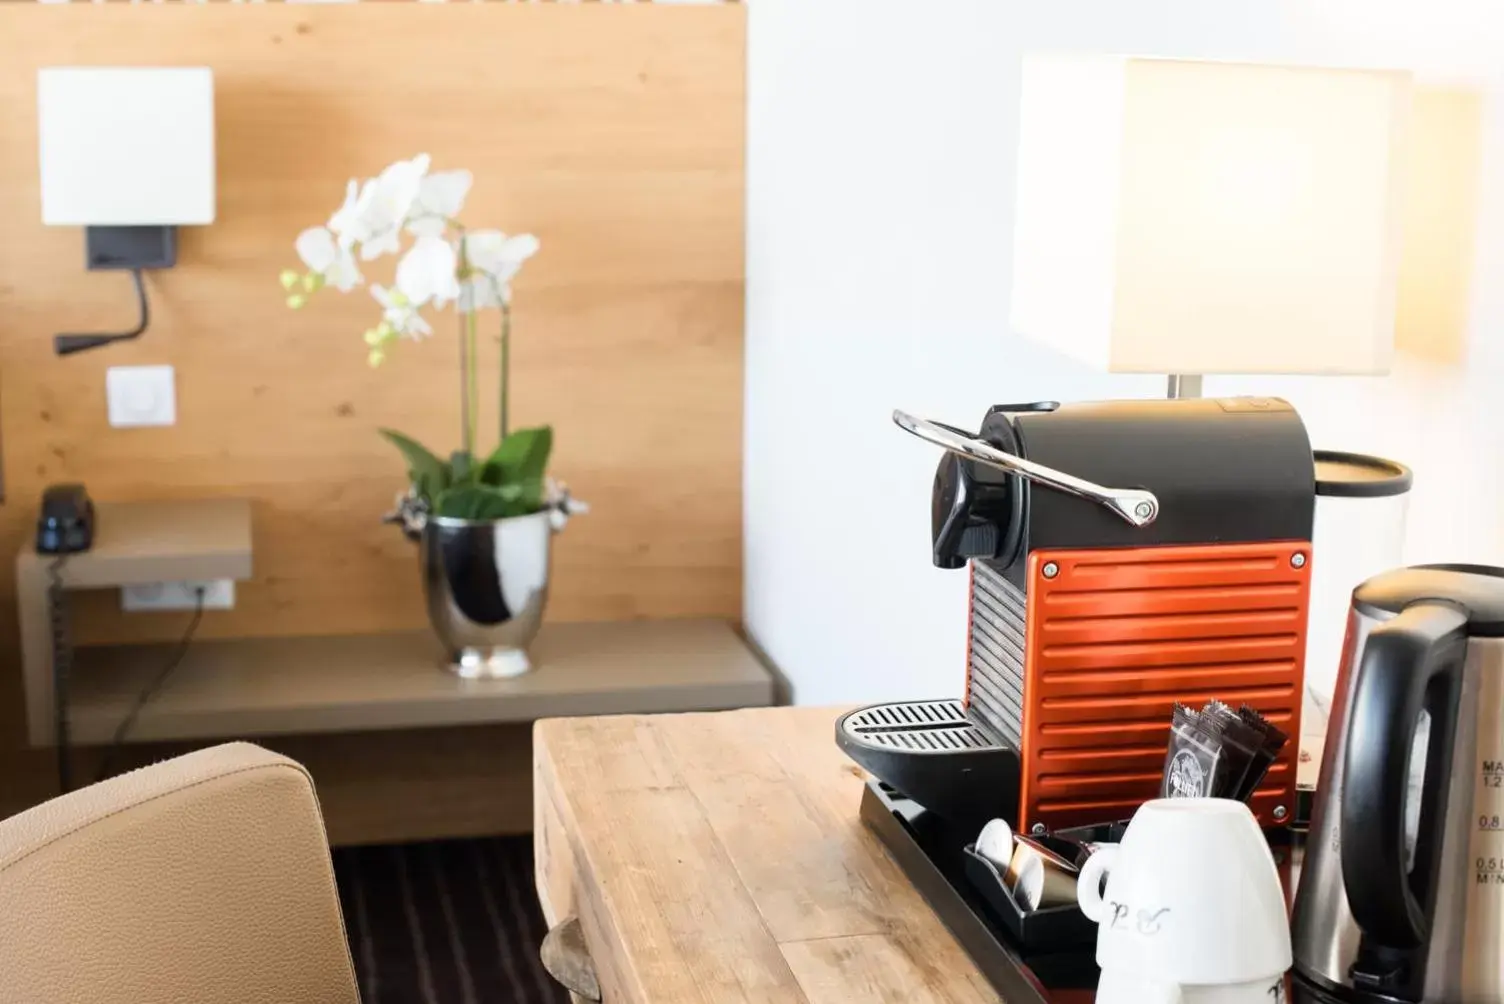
<point>936,754</point>
<point>931,853</point>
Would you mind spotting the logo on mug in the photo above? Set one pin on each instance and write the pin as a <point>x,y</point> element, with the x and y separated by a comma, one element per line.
<point>1187,776</point>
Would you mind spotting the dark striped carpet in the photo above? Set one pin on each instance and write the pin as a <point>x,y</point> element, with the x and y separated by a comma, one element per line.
<point>451,922</point>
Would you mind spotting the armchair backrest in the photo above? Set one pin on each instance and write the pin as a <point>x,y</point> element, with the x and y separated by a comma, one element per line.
<point>200,880</point>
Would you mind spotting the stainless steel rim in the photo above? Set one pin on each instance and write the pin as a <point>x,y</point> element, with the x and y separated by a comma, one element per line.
<point>456,522</point>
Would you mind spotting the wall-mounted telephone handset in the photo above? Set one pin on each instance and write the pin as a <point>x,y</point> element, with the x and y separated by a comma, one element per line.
<point>65,525</point>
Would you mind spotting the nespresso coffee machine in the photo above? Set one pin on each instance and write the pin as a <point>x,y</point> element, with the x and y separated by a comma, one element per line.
<point>1124,556</point>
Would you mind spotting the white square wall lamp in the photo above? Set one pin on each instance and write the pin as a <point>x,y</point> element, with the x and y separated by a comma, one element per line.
<point>126,146</point>
<point>128,154</point>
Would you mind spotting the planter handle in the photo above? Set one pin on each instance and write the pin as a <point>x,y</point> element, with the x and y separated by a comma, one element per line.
<point>561,505</point>
<point>410,513</point>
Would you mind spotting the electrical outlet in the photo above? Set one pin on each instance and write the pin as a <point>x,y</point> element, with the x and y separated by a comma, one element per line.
<point>219,594</point>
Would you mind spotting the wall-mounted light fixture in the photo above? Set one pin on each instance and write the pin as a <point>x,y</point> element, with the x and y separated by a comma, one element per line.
<point>128,154</point>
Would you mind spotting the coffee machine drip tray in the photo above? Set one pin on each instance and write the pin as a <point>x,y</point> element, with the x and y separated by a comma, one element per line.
<point>936,752</point>
<point>936,726</point>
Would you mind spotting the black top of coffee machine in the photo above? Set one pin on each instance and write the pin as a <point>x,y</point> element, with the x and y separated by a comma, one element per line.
<point>1178,450</point>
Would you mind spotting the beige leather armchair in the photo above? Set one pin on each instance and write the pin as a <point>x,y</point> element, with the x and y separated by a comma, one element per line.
<point>201,880</point>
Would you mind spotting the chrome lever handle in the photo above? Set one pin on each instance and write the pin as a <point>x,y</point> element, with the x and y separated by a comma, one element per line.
<point>1136,506</point>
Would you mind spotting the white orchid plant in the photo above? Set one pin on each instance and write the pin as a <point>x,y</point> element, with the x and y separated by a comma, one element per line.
<point>446,263</point>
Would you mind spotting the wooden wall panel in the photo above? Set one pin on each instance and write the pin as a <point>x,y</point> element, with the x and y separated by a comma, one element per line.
<point>615,133</point>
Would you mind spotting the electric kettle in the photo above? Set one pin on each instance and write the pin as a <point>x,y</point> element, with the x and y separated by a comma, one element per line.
<point>1401,896</point>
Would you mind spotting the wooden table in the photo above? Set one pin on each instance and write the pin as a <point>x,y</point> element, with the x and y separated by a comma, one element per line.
<point>719,858</point>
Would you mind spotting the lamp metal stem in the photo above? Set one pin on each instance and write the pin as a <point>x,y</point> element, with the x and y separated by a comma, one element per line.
<point>1183,385</point>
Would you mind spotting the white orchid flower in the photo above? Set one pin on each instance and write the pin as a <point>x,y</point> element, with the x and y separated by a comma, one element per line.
<point>326,257</point>
<point>480,292</point>
<point>345,223</point>
<point>426,274</point>
<point>399,314</point>
<point>441,197</point>
<point>374,219</point>
<point>496,254</point>
<point>497,259</point>
<point>376,214</point>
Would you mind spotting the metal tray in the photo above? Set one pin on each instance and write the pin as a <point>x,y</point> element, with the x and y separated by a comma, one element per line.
<point>932,855</point>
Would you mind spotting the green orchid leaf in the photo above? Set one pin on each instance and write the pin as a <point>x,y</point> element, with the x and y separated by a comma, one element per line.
<point>428,473</point>
<point>526,496</point>
<point>521,458</point>
<point>532,495</point>
<point>462,467</point>
<point>482,502</point>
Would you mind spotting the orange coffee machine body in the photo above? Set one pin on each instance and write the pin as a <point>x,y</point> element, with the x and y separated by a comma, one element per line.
<point>1094,610</point>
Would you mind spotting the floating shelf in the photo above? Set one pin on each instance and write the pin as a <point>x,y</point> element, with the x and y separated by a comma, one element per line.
<point>134,543</point>
<point>141,542</point>
<point>270,686</point>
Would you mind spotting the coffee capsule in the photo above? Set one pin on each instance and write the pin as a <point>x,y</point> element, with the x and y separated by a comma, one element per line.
<point>995,843</point>
<point>1038,877</point>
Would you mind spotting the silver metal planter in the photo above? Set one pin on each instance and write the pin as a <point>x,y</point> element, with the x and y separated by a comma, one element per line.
<point>486,583</point>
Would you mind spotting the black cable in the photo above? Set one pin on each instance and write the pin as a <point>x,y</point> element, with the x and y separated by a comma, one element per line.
<point>62,665</point>
<point>65,345</point>
<point>150,691</point>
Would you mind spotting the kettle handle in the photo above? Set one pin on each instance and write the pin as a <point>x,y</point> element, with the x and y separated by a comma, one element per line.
<point>1138,507</point>
<point>1409,664</point>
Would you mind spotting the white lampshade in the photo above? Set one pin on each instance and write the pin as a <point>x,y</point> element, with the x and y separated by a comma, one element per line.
<point>126,146</point>
<point>1176,216</point>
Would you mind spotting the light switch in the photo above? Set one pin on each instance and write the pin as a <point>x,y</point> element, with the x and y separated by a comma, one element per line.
<point>141,395</point>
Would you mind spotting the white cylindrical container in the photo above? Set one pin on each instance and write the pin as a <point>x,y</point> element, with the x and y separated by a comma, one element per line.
<point>1359,532</point>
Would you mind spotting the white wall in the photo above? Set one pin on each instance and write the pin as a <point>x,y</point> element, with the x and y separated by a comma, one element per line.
<point>880,177</point>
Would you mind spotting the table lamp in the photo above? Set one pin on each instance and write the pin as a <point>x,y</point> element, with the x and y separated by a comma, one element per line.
<point>1190,217</point>
<point>128,154</point>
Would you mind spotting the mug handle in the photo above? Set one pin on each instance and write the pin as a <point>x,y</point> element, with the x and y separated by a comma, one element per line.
<point>1089,882</point>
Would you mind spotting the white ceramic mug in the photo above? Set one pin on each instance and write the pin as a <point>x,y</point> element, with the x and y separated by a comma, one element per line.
<point>1192,900</point>
<point>1121,988</point>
